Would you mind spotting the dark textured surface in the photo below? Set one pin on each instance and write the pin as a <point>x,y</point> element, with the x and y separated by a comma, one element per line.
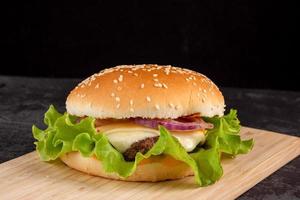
<point>23,102</point>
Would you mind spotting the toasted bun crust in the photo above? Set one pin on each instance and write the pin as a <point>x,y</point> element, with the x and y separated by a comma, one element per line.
<point>148,91</point>
<point>154,169</point>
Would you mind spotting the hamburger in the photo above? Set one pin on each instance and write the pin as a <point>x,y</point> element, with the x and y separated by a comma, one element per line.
<point>143,123</point>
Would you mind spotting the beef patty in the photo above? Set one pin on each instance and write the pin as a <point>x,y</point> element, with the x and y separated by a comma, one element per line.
<point>142,146</point>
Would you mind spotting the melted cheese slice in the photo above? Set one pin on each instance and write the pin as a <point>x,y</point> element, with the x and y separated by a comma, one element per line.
<point>123,135</point>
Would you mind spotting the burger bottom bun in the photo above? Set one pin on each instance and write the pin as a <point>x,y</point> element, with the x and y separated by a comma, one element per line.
<point>153,169</point>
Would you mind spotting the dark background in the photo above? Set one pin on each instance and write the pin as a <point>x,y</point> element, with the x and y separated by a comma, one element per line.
<point>235,43</point>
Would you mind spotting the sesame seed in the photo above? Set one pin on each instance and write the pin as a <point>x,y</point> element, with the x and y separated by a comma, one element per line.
<point>165,86</point>
<point>131,110</point>
<point>119,88</point>
<point>194,83</point>
<point>112,94</point>
<point>118,99</point>
<point>177,107</point>
<point>148,98</point>
<point>82,86</point>
<point>130,72</point>
<point>118,105</point>
<point>204,90</point>
<point>157,107</point>
<point>198,94</point>
<point>167,71</point>
<point>142,85</point>
<point>131,102</point>
<point>187,79</point>
<point>155,75</point>
<point>135,74</point>
<point>78,95</point>
<point>83,95</point>
<point>97,86</point>
<point>158,85</point>
<point>155,79</point>
<point>115,81</point>
<point>120,78</point>
<point>171,105</point>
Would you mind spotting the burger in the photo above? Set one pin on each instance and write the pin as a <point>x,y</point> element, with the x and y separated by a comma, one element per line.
<point>143,123</point>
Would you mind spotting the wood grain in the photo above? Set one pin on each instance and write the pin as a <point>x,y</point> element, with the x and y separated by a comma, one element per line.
<point>27,177</point>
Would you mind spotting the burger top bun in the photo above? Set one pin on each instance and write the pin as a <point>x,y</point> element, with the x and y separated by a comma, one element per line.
<point>148,91</point>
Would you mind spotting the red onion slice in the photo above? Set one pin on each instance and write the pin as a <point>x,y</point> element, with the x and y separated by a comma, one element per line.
<point>150,123</point>
<point>174,125</point>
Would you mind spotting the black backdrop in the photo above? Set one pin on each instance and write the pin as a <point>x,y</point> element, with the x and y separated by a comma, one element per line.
<point>236,43</point>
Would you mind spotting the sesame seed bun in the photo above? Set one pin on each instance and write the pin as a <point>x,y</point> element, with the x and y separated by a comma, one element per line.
<point>149,91</point>
<point>153,169</point>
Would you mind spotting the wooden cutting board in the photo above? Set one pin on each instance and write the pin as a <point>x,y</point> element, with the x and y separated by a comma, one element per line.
<point>27,177</point>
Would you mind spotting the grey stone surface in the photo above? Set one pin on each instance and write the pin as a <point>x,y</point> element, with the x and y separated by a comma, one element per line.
<point>23,102</point>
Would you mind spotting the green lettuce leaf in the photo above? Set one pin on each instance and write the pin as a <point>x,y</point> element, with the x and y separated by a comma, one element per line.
<point>64,135</point>
<point>226,134</point>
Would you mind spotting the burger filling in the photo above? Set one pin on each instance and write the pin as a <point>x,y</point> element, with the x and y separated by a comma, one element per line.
<point>142,146</point>
<point>139,135</point>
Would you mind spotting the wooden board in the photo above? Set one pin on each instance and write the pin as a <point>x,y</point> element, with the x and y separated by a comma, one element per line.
<point>27,177</point>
